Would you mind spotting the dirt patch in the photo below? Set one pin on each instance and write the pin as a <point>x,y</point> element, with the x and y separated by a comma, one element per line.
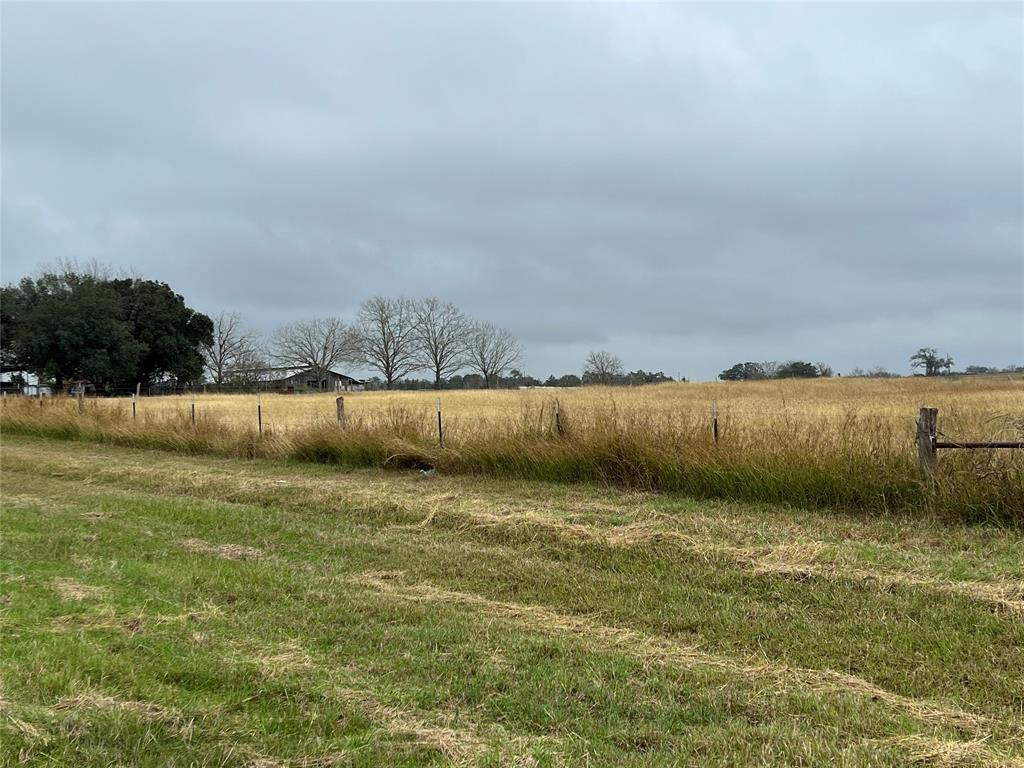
<point>69,589</point>
<point>227,551</point>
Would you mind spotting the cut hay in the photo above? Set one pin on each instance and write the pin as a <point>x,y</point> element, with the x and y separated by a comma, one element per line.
<point>925,750</point>
<point>227,551</point>
<point>650,648</point>
<point>457,745</point>
<point>69,589</point>
<point>144,710</point>
<point>799,561</point>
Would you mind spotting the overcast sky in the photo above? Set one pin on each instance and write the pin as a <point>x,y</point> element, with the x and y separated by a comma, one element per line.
<point>686,186</point>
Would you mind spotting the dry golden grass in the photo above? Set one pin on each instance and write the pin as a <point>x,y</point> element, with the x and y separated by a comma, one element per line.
<point>969,407</point>
<point>831,442</point>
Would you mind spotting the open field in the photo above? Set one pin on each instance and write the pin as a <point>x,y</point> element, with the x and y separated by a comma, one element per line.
<point>969,405</point>
<point>162,609</point>
<point>835,442</point>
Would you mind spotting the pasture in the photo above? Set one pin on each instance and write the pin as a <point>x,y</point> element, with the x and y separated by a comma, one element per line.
<point>167,609</point>
<point>846,443</point>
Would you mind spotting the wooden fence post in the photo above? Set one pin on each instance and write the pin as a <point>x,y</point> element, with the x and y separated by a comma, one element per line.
<point>259,413</point>
<point>193,409</point>
<point>440,430</point>
<point>558,418</point>
<point>134,398</point>
<point>714,420</point>
<point>926,430</point>
<point>138,389</point>
<point>81,398</point>
<point>339,405</point>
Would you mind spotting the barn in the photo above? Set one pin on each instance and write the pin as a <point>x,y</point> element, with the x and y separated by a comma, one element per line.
<point>307,380</point>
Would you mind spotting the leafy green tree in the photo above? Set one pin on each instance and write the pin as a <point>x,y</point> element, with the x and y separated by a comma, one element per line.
<point>172,334</point>
<point>67,327</point>
<point>743,372</point>
<point>798,369</point>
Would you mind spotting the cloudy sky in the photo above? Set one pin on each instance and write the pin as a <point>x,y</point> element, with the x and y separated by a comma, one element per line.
<point>684,185</point>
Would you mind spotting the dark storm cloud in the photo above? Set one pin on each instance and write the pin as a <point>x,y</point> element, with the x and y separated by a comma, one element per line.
<point>686,185</point>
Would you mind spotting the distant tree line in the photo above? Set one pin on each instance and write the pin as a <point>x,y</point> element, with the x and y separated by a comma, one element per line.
<point>392,337</point>
<point>603,367</point>
<point>926,361</point>
<point>71,326</point>
<point>770,369</point>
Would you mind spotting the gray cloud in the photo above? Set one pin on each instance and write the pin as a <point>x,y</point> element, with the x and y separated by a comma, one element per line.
<point>687,185</point>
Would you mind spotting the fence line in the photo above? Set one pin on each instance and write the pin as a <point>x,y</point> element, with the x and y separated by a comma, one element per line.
<point>928,443</point>
<point>927,431</point>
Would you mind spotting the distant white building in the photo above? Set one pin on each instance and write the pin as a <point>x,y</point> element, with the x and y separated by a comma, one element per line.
<point>30,385</point>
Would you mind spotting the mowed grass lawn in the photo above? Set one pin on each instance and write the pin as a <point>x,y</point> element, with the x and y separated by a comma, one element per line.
<point>161,609</point>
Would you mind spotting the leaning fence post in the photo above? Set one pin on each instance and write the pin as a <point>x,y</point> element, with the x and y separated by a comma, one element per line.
<point>714,420</point>
<point>339,405</point>
<point>440,430</point>
<point>926,430</point>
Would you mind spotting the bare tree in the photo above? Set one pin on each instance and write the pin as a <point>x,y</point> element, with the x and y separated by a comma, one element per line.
<point>315,345</point>
<point>933,363</point>
<point>387,334</point>
<point>602,367</point>
<point>233,347</point>
<point>441,334</point>
<point>491,351</point>
<point>251,368</point>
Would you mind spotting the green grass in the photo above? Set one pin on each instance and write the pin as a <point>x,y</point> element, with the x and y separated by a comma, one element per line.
<point>162,609</point>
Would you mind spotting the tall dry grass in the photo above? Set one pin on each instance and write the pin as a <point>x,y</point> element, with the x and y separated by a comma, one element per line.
<point>841,442</point>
